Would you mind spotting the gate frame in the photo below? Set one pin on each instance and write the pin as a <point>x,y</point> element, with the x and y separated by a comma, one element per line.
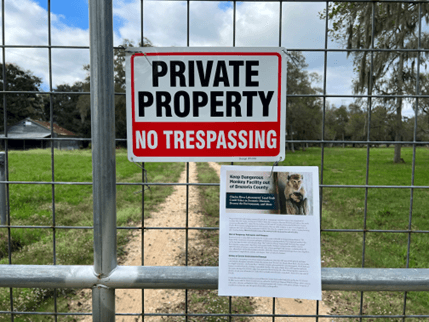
<point>105,276</point>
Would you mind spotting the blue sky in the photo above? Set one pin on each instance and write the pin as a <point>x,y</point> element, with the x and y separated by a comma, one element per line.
<point>226,5</point>
<point>74,12</point>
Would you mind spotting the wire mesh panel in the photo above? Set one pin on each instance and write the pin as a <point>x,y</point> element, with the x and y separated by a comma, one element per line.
<point>77,215</point>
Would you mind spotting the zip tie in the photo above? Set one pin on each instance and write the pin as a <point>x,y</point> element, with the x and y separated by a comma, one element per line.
<point>275,164</point>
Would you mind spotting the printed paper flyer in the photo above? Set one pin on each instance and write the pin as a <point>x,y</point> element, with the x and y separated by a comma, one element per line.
<point>270,232</point>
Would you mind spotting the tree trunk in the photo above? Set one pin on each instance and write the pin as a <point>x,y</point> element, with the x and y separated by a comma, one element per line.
<point>398,130</point>
<point>291,137</point>
<point>398,125</point>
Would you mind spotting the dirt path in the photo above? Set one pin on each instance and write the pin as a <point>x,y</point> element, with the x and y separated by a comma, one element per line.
<point>161,248</point>
<point>264,305</point>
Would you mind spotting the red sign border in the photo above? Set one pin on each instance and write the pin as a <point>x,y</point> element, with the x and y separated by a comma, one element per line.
<point>198,53</point>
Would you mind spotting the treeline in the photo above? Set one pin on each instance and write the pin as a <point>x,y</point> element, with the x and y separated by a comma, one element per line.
<point>350,123</point>
<point>72,111</point>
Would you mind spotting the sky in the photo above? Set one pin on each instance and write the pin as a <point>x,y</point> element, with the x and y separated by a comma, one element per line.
<point>211,24</point>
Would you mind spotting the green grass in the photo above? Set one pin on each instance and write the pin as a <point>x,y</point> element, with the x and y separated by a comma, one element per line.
<point>32,205</point>
<point>387,209</point>
<point>344,208</point>
<point>209,198</point>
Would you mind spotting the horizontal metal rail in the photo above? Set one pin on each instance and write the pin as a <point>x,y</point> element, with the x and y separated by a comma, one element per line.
<point>414,50</point>
<point>359,142</point>
<point>119,227</point>
<point>391,96</point>
<point>192,277</point>
<point>118,183</point>
<point>369,316</point>
<point>392,231</point>
<point>287,141</point>
<point>209,184</point>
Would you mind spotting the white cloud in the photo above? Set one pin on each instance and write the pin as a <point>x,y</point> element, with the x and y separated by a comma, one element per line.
<point>302,27</point>
<point>258,24</point>
<point>212,24</point>
<point>26,23</point>
<point>165,24</point>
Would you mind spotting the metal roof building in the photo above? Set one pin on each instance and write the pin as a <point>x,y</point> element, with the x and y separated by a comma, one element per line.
<point>30,134</point>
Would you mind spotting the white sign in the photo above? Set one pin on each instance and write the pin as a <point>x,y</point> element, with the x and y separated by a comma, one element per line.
<point>206,104</point>
<point>270,232</point>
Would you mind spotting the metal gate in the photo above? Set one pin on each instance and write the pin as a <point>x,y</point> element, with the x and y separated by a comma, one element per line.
<point>105,275</point>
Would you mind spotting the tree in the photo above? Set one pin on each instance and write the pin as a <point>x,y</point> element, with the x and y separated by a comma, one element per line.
<point>303,114</point>
<point>341,117</point>
<point>330,122</point>
<point>423,119</point>
<point>336,120</point>
<point>66,113</point>
<point>395,27</point>
<point>84,103</point>
<point>381,128</point>
<point>357,123</point>
<point>21,106</point>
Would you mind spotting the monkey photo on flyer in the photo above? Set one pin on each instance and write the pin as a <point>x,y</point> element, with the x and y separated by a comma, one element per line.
<point>293,190</point>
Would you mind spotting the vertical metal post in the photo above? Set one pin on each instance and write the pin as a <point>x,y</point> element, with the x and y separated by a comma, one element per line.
<point>103,154</point>
<point>2,189</point>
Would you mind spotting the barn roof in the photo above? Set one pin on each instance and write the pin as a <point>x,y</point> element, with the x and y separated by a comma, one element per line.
<point>57,129</point>
<point>40,129</point>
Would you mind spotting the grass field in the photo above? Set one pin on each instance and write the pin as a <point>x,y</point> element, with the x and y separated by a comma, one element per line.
<point>31,205</point>
<point>343,208</point>
<point>387,209</point>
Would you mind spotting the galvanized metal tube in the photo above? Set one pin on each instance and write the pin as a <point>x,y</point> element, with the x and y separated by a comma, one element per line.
<point>101,299</point>
<point>197,277</point>
<point>163,277</point>
<point>422,50</point>
<point>103,153</point>
<point>2,189</point>
<point>103,136</point>
<point>288,95</point>
<point>47,276</point>
<point>237,315</point>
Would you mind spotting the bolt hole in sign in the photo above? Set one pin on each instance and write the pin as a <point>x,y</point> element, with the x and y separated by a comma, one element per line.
<point>206,104</point>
